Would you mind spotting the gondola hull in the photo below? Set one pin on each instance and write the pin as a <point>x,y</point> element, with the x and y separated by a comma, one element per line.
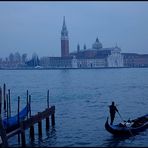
<point>12,123</point>
<point>126,131</point>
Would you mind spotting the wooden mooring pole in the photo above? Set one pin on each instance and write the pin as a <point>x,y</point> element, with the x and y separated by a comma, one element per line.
<point>27,102</point>
<point>4,95</point>
<point>30,105</point>
<point>48,99</point>
<point>3,135</point>
<point>39,126</point>
<point>53,119</point>
<point>0,100</point>
<point>9,103</point>
<point>47,123</point>
<point>23,138</point>
<point>32,132</point>
<point>7,108</point>
<point>32,126</point>
<point>18,117</point>
<point>47,118</point>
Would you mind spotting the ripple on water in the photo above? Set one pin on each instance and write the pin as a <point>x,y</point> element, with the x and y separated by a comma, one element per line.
<point>81,98</point>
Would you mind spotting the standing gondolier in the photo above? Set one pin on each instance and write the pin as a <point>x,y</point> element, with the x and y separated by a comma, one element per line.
<point>113,110</point>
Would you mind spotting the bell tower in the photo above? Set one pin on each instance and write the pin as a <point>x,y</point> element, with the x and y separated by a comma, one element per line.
<point>64,40</point>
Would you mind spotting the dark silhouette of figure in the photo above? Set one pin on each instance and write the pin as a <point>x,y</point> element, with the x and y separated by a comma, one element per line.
<point>113,110</point>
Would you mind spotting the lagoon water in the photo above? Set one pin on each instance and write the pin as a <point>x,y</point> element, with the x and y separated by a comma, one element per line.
<point>81,98</point>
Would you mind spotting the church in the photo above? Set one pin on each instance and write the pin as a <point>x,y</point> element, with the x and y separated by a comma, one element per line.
<point>95,57</point>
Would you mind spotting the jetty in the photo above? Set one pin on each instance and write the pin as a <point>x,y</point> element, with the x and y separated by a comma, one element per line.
<point>27,123</point>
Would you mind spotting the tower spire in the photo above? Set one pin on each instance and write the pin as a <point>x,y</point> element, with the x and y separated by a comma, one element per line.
<point>64,28</point>
<point>64,21</point>
<point>64,32</point>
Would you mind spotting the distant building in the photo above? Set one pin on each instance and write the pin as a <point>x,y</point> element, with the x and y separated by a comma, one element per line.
<point>64,41</point>
<point>135,60</point>
<point>97,56</point>
<point>94,57</point>
<point>56,62</point>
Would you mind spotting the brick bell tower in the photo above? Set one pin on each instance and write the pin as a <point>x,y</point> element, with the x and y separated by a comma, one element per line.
<point>64,40</point>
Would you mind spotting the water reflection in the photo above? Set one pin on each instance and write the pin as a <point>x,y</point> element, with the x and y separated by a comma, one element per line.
<point>81,98</point>
<point>116,141</point>
<point>45,142</point>
<point>51,136</point>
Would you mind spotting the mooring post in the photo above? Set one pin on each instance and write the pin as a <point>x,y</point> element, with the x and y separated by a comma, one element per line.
<point>9,103</point>
<point>39,126</point>
<point>48,98</point>
<point>53,119</point>
<point>23,138</point>
<point>27,103</point>
<point>3,135</point>
<point>4,95</point>
<point>32,133</point>
<point>0,100</point>
<point>47,123</point>
<point>30,105</point>
<point>47,118</point>
<point>7,108</point>
<point>18,117</point>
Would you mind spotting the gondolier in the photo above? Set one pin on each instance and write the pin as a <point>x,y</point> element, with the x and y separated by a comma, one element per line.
<point>113,109</point>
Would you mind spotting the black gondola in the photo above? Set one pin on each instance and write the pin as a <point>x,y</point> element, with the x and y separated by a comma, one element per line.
<point>128,128</point>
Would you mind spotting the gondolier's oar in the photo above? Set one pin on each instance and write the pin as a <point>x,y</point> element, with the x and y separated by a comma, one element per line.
<point>120,116</point>
<point>128,129</point>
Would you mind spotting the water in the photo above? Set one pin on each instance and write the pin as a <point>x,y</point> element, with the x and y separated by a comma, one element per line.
<point>81,98</point>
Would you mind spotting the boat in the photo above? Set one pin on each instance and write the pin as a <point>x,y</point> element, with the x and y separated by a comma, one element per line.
<point>128,128</point>
<point>11,123</point>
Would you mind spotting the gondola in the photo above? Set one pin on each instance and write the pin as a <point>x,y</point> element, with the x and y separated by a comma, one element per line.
<point>11,123</point>
<point>128,128</point>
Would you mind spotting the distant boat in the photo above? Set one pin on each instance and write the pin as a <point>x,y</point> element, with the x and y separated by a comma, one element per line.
<point>12,122</point>
<point>38,67</point>
<point>129,128</point>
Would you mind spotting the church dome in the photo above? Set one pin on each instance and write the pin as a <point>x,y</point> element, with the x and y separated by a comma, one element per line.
<point>97,44</point>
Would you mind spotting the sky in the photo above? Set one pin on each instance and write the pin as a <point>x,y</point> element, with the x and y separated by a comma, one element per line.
<point>35,27</point>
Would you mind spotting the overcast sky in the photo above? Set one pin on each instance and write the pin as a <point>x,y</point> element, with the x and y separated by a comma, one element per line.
<point>29,27</point>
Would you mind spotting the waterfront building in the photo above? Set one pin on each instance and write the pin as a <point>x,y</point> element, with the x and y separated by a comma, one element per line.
<point>93,57</point>
<point>135,60</point>
<point>56,62</point>
<point>97,56</point>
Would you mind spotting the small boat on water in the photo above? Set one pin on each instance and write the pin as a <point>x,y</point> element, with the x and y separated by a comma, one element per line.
<point>12,122</point>
<point>129,128</point>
